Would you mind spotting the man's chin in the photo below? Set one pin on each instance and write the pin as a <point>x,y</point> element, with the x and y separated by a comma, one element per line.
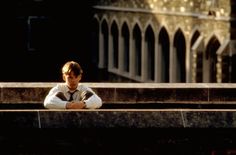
<point>72,87</point>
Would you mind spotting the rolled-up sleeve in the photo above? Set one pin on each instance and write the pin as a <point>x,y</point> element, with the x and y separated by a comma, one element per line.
<point>93,102</point>
<point>51,101</point>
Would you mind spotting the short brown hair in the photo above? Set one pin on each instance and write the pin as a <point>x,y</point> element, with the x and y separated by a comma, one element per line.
<point>72,66</point>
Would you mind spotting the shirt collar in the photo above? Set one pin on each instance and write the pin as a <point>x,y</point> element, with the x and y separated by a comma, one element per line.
<point>78,88</point>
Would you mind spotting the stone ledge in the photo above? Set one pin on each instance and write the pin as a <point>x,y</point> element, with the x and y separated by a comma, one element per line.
<point>119,118</point>
<point>125,93</point>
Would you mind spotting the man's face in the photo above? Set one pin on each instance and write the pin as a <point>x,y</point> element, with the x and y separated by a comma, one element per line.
<point>71,80</point>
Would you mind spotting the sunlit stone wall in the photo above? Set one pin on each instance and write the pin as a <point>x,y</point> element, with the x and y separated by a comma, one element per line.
<point>211,18</point>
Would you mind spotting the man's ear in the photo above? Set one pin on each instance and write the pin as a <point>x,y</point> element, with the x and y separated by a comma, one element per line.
<point>80,77</point>
<point>63,77</point>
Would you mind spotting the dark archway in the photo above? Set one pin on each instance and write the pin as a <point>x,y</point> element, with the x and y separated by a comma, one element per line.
<point>150,50</point>
<point>164,48</point>
<point>137,49</point>
<point>211,60</point>
<point>180,57</point>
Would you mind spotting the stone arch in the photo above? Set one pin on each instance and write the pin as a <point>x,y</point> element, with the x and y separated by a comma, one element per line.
<point>137,49</point>
<point>149,49</point>
<point>104,18</point>
<point>125,20</point>
<point>114,44</point>
<point>179,57</point>
<point>104,42</point>
<point>150,25</point>
<point>210,60</point>
<point>137,23</point>
<point>163,55</point>
<point>115,20</point>
<point>125,44</point>
<point>210,36</point>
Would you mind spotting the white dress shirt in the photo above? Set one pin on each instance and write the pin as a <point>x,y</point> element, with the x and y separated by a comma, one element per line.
<point>51,101</point>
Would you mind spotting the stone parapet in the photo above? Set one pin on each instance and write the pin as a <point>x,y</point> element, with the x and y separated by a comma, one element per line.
<point>128,93</point>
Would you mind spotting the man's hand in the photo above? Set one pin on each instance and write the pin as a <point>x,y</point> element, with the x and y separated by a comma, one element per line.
<point>75,105</point>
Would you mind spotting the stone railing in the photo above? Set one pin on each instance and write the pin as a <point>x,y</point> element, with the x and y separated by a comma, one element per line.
<point>128,93</point>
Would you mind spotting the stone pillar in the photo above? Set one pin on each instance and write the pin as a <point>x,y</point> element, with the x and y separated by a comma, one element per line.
<point>110,53</point>
<point>172,62</point>
<point>101,48</point>
<point>188,62</point>
<point>144,60</point>
<point>193,66</point>
<point>131,56</point>
<point>158,65</point>
<point>120,53</point>
<point>219,69</point>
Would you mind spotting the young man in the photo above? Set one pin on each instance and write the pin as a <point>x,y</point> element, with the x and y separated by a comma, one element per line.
<point>71,94</point>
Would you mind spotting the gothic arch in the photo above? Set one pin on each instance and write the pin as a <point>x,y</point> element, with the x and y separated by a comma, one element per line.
<point>210,60</point>
<point>150,25</point>
<point>104,18</point>
<point>149,49</point>
<point>163,55</point>
<point>179,57</point>
<point>115,20</point>
<point>137,49</point>
<point>125,44</point>
<point>114,44</point>
<point>213,34</point>
<point>137,23</point>
<point>104,42</point>
<point>125,20</point>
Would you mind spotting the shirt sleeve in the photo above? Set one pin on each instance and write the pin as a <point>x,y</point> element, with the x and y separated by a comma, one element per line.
<point>51,101</point>
<point>94,101</point>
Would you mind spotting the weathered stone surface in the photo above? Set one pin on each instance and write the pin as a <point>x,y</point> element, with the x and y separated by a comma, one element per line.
<point>118,118</point>
<point>126,93</point>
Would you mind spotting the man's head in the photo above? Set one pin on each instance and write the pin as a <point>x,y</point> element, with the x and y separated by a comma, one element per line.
<point>72,66</point>
<point>72,74</point>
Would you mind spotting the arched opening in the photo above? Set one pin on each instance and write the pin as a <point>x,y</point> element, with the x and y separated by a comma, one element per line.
<point>164,55</point>
<point>179,57</point>
<point>125,47</point>
<point>137,39</point>
<point>114,44</point>
<point>104,44</point>
<point>150,51</point>
<point>210,60</point>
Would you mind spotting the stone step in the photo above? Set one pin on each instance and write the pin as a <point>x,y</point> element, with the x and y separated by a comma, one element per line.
<point>119,118</point>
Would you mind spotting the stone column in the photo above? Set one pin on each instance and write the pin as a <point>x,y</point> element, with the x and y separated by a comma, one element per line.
<point>144,60</point>
<point>101,48</point>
